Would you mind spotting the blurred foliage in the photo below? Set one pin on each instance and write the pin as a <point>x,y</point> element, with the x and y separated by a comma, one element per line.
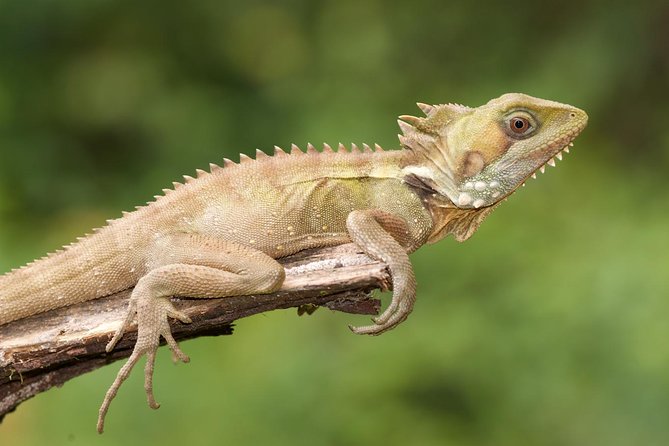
<point>547,328</point>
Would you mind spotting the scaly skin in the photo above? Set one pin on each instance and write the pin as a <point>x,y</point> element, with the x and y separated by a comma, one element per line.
<point>219,234</point>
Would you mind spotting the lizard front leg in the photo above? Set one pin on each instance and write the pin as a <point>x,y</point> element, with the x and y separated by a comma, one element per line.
<point>194,266</point>
<point>385,237</point>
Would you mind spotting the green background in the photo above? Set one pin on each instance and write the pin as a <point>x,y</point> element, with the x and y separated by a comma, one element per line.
<point>548,327</point>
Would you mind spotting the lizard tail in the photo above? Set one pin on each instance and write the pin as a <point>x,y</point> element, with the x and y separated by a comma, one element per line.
<point>98,265</point>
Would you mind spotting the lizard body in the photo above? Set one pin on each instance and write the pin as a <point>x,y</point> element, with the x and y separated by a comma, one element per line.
<point>219,234</point>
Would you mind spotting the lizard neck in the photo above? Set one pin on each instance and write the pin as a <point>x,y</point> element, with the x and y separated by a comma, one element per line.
<point>436,192</point>
<point>448,219</point>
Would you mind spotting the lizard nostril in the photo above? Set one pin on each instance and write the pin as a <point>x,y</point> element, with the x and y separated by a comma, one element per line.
<point>572,114</point>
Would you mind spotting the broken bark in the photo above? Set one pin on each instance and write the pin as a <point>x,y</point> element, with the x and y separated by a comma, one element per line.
<point>51,348</point>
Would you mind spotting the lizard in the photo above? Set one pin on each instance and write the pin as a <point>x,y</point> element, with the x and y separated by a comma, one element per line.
<point>219,234</point>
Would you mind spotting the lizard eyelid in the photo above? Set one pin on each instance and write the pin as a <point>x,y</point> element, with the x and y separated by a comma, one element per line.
<point>520,124</point>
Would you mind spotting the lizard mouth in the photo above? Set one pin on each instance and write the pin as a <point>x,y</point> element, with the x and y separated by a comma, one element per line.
<point>558,148</point>
<point>552,161</point>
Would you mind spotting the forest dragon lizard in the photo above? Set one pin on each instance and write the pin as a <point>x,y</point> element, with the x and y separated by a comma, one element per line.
<point>219,234</point>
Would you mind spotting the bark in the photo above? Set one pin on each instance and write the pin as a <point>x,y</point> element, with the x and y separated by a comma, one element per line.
<point>48,349</point>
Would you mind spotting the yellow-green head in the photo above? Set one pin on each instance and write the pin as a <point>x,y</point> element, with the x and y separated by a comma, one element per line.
<point>478,156</point>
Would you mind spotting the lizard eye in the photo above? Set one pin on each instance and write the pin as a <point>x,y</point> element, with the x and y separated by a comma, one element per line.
<point>519,125</point>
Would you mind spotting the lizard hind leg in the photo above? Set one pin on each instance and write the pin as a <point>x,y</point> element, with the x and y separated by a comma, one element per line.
<point>206,268</point>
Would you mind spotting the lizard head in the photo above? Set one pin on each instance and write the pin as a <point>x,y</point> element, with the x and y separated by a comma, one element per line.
<point>477,156</point>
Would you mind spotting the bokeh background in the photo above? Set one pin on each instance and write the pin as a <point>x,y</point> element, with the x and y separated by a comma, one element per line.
<point>548,327</point>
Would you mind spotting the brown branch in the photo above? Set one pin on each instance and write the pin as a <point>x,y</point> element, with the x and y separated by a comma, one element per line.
<point>48,349</point>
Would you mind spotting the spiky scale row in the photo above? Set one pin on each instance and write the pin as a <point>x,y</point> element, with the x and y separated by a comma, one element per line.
<point>426,108</point>
<point>409,119</point>
<point>294,150</point>
<point>405,127</point>
<point>278,151</point>
<point>327,148</point>
<point>213,168</point>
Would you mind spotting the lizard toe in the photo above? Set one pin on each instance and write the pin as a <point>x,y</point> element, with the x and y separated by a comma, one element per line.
<point>177,353</point>
<point>131,312</point>
<point>367,329</point>
<point>148,378</point>
<point>176,314</point>
<point>383,318</point>
<point>394,315</point>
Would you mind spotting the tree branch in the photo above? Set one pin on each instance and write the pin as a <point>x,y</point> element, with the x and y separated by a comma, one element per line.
<point>51,348</point>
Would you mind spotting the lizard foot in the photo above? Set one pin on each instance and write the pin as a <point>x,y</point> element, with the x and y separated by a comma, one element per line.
<point>395,314</point>
<point>152,323</point>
